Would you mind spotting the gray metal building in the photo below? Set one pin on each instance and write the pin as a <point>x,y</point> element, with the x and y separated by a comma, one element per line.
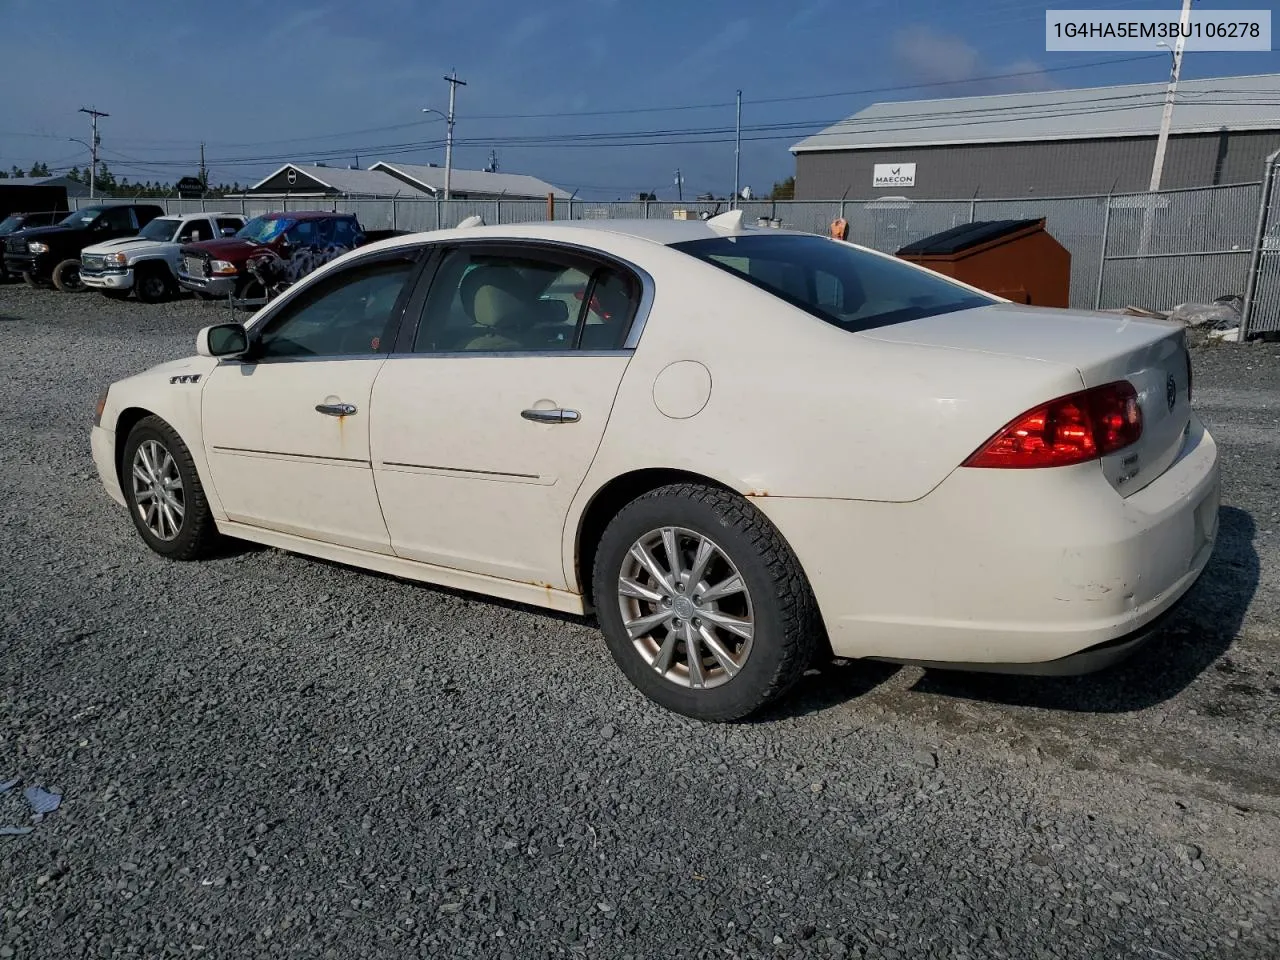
<point>1089,141</point>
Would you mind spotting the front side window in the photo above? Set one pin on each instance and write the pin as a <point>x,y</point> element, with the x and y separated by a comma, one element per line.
<point>483,302</point>
<point>347,314</point>
<point>343,233</point>
<point>304,233</point>
<point>850,288</point>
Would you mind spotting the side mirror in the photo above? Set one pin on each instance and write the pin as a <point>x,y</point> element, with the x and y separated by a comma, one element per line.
<point>222,340</point>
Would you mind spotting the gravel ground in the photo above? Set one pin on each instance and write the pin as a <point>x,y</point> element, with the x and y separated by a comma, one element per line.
<point>268,756</point>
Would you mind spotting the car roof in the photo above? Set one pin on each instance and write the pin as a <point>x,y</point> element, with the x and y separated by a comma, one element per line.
<point>302,214</point>
<point>659,231</point>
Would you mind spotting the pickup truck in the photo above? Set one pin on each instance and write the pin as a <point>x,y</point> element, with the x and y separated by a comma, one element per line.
<point>23,221</point>
<point>301,239</point>
<point>147,264</point>
<point>42,254</point>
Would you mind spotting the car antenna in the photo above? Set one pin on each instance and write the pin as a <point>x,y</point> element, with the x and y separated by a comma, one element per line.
<point>728,222</point>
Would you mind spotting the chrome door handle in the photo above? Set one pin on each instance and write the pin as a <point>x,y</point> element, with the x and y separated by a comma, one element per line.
<point>559,415</point>
<point>336,409</point>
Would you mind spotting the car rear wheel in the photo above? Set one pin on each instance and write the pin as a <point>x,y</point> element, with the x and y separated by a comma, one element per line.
<point>153,284</point>
<point>703,604</point>
<point>66,277</point>
<point>164,494</point>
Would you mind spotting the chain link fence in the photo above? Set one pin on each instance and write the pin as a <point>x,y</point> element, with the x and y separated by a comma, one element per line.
<point>1147,250</point>
<point>1262,290</point>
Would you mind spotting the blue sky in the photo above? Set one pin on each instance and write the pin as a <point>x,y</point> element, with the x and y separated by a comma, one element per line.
<point>264,82</point>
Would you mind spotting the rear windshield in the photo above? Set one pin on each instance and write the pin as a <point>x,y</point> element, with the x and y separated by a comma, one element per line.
<point>836,282</point>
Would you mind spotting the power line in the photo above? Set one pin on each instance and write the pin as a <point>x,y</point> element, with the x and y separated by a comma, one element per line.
<point>628,111</point>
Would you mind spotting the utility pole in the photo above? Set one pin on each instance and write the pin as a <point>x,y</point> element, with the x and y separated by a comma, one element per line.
<point>204,173</point>
<point>737,152</point>
<point>94,114</point>
<point>1166,121</point>
<point>454,83</point>
<point>679,186</point>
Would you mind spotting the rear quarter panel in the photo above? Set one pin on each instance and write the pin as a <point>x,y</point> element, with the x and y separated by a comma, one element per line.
<point>798,407</point>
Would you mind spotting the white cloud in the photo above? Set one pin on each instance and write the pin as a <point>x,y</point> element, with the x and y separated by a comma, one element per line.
<point>926,55</point>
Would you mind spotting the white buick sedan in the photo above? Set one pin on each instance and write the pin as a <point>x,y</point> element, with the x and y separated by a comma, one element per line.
<point>740,447</point>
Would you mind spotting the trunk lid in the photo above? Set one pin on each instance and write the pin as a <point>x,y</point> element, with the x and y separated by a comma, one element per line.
<point>1103,347</point>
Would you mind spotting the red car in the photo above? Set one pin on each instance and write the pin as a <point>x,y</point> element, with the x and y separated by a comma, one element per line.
<point>293,243</point>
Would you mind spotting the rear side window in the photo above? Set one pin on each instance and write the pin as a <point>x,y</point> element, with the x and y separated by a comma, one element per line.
<point>850,288</point>
<point>228,226</point>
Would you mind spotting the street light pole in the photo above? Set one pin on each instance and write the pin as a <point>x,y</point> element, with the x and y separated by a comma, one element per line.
<point>454,83</point>
<point>94,114</point>
<point>1166,121</point>
<point>737,153</point>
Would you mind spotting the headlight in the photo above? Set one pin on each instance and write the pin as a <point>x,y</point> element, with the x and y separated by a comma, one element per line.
<point>223,267</point>
<point>37,247</point>
<point>114,259</point>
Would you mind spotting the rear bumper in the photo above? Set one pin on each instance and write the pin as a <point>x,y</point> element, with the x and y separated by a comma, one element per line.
<point>107,281</point>
<point>1006,569</point>
<point>210,286</point>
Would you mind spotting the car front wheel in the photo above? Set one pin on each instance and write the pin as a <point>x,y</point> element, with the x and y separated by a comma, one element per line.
<point>703,604</point>
<point>163,490</point>
<point>66,277</point>
<point>153,284</point>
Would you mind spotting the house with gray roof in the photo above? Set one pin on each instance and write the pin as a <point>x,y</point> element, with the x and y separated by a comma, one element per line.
<point>470,184</point>
<point>1092,140</point>
<point>317,181</point>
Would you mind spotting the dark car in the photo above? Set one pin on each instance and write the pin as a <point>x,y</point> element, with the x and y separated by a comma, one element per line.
<point>292,243</point>
<point>21,221</point>
<point>43,254</point>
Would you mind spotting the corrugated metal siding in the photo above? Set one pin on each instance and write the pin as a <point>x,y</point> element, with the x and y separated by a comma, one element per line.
<point>1063,168</point>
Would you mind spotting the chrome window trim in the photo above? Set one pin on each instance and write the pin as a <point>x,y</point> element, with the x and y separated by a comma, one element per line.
<point>461,355</point>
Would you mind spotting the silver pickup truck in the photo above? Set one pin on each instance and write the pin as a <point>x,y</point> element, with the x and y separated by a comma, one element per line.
<point>148,263</point>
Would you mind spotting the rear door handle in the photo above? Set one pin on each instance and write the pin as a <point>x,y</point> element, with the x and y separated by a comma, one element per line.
<point>336,409</point>
<point>558,415</point>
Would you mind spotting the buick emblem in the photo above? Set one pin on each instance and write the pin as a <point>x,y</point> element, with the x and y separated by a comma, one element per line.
<point>1171,392</point>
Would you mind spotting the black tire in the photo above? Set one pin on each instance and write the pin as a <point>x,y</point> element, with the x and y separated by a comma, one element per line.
<point>30,280</point>
<point>153,283</point>
<point>787,627</point>
<point>66,277</point>
<point>197,533</point>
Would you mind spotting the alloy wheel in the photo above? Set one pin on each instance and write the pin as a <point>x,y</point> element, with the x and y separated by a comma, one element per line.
<point>158,494</point>
<point>686,607</point>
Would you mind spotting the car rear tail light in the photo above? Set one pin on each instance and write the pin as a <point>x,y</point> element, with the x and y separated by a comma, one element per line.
<point>1072,429</point>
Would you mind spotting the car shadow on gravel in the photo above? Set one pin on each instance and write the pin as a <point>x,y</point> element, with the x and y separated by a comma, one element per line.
<point>1198,634</point>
